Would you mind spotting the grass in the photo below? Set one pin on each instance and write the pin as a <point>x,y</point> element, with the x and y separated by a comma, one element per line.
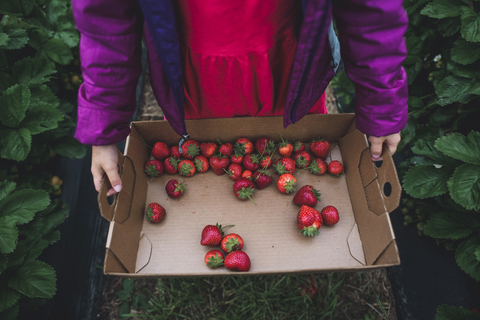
<point>293,296</point>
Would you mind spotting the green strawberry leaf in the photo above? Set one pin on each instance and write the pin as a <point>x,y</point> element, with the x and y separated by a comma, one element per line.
<point>440,9</point>
<point>6,187</point>
<point>17,37</point>
<point>464,71</point>
<point>4,39</point>
<point>33,70</point>
<point>35,279</point>
<point>464,52</point>
<point>13,105</point>
<point>66,31</point>
<point>449,26</point>
<point>11,7</point>
<point>451,225</point>
<point>45,222</point>
<point>58,51</point>
<point>41,118</point>
<point>466,259</point>
<point>11,313</point>
<point>8,234</point>
<point>42,94</point>
<point>425,181</point>
<point>426,147</point>
<point>453,89</point>
<point>6,80</point>
<point>464,186</point>
<point>15,143</point>
<point>458,146</point>
<point>477,253</point>
<point>8,297</point>
<point>27,249</point>
<point>445,312</point>
<point>22,205</point>
<point>470,24</point>
<point>69,147</point>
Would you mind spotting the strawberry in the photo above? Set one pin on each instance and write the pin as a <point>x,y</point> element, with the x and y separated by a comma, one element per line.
<point>201,163</point>
<point>335,168</point>
<point>212,235</point>
<point>226,149</point>
<point>234,171</point>
<point>160,151</point>
<point>208,149</point>
<point>214,258</point>
<point>262,178</point>
<point>251,162</point>
<point>284,165</point>
<point>266,162</point>
<point>170,165</point>
<point>155,212</point>
<point>318,166</point>
<point>175,188</point>
<point>247,174</point>
<point>307,195</point>
<point>246,144</point>
<point>309,221</point>
<point>264,145</point>
<point>186,168</point>
<point>298,146</point>
<point>153,168</point>
<point>231,242</point>
<point>286,183</point>
<point>219,163</point>
<point>330,215</point>
<point>302,159</point>
<point>243,189</point>
<point>238,153</point>
<point>285,148</point>
<point>237,261</point>
<point>190,149</point>
<point>235,158</point>
<point>175,152</point>
<point>320,148</point>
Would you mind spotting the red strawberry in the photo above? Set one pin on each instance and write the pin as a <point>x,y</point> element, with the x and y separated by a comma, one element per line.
<point>208,149</point>
<point>302,159</point>
<point>298,146</point>
<point>307,195</point>
<point>264,145</point>
<point>186,168</point>
<point>237,261</point>
<point>219,163</point>
<point>284,165</point>
<point>175,188</point>
<point>190,149</point>
<point>153,168</point>
<point>246,144</point>
<point>201,163</point>
<point>212,235</point>
<point>231,242</point>
<point>175,152</point>
<point>238,153</point>
<point>309,221</point>
<point>318,166</point>
<point>170,165</point>
<point>155,212</point>
<point>285,148</point>
<point>214,258</point>
<point>251,162</point>
<point>234,171</point>
<point>320,148</point>
<point>160,151</point>
<point>335,168</point>
<point>266,162</point>
<point>243,189</point>
<point>262,178</point>
<point>247,174</point>
<point>286,183</point>
<point>330,215</point>
<point>235,158</point>
<point>226,149</point>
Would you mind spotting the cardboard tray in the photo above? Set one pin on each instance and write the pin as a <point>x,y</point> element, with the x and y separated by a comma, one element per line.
<point>364,196</point>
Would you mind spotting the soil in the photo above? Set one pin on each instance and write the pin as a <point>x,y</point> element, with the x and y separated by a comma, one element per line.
<point>352,291</point>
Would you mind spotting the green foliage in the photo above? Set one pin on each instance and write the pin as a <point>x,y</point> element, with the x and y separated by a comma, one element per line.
<point>445,312</point>
<point>38,43</point>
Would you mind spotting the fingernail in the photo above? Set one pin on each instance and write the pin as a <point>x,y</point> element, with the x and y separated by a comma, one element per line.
<point>117,188</point>
<point>376,157</point>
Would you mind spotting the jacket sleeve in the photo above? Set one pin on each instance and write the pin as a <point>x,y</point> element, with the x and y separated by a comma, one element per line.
<point>110,53</point>
<point>373,49</point>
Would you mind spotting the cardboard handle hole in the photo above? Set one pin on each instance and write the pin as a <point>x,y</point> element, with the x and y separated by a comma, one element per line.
<point>378,163</point>
<point>387,189</point>
<point>110,200</point>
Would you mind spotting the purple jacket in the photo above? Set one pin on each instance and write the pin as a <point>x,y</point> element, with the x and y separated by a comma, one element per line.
<point>371,42</point>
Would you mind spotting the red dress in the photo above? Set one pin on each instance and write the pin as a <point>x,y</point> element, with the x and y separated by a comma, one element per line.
<point>238,56</point>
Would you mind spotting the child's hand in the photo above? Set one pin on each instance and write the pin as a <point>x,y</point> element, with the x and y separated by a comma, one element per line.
<point>105,160</point>
<point>377,145</point>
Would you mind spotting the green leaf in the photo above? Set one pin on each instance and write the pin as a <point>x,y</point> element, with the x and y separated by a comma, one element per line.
<point>11,7</point>
<point>4,39</point>
<point>6,187</point>
<point>6,80</point>
<point>41,94</point>
<point>449,26</point>
<point>13,105</point>
<point>69,147</point>
<point>477,253</point>
<point>464,52</point>
<point>440,9</point>
<point>458,146</point>
<point>453,89</point>
<point>11,313</point>
<point>41,118</point>
<point>15,144</point>
<point>58,51</point>
<point>8,234</point>
<point>55,9</point>
<point>451,225</point>
<point>37,37</point>
<point>66,30</point>
<point>426,147</point>
<point>8,297</point>
<point>33,70</point>
<point>445,312</point>
<point>3,262</point>
<point>35,280</point>
<point>18,38</point>
<point>465,256</point>
<point>464,71</point>
<point>28,249</point>
<point>464,186</point>
<point>22,205</point>
<point>470,24</point>
<point>425,181</point>
<point>128,285</point>
<point>46,221</point>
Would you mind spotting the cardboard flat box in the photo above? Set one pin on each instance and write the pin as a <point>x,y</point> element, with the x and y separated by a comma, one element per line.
<point>364,196</point>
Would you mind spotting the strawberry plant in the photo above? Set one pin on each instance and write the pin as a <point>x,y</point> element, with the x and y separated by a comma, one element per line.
<point>38,43</point>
